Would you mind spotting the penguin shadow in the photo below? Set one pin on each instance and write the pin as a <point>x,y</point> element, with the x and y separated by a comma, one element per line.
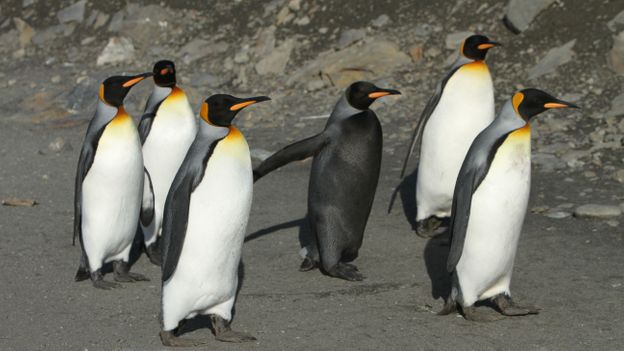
<point>203,321</point>
<point>302,223</point>
<point>406,190</point>
<point>435,255</point>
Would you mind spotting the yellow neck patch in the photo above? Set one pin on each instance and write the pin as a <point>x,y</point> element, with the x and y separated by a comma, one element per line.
<point>521,133</point>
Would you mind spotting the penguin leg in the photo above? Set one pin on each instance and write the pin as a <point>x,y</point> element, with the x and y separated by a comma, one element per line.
<point>168,338</point>
<point>98,281</point>
<point>472,314</point>
<point>122,273</point>
<point>153,252</point>
<point>509,308</point>
<point>345,271</point>
<point>83,270</point>
<point>427,227</point>
<point>450,306</point>
<point>223,332</point>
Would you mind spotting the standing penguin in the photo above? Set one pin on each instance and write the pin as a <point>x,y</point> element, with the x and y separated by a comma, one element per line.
<point>167,129</point>
<point>461,107</point>
<point>489,205</point>
<point>204,223</point>
<point>343,179</point>
<point>109,186</point>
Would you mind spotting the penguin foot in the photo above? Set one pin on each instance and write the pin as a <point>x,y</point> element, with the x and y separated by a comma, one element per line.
<point>82,274</point>
<point>98,281</point>
<point>450,306</point>
<point>153,253</point>
<point>223,331</point>
<point>471,314</point>
<point>427,227</point>
<point>123,274</point>
<point>346,271</point>
<point>168,338</point>
<point>308,264</point>
<point>509,308</point>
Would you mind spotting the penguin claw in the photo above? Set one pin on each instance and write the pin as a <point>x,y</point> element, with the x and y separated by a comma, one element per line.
<point>234,336</point>
<point>308,264</point>
<point>169,339</point>
<point>130,277</point>
<point>346,271</point>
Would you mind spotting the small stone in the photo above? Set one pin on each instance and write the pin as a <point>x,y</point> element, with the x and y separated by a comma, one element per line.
<point>323,30</point>
<point>380,21</point>
<point>613,223</point>
<point>116,22</point>
<point>619,175</point>
<point>56,79</point>
<point>260,154</point>
<point>540,209</point>
<point>303,21</point>
<point>553,59</point>
<point>26,32</point>
<point>349,37</point>
<point>454,40</point>
<point>241,57</point>
<point>72,13</point>
<point>432,52</point>
<point>59,144</point>
<point>294,5</point>
<point>557,214</point>
<point>618,20</point>
<point>276,61</point>
<point>87,40</point>
<point>18,54</point>
<point>284,16</point>
<point>615,58</point>
<point>100,20</point>
<point>617,106</point>
<point>416,53</point>
<point>26,3</point>
<point>315,84</point>
<point>118,49</point>
<point>520,13</point>
<point>597,211</point>
<point>590,174</point>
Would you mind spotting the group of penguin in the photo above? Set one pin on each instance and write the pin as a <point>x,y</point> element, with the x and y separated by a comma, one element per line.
<point>188,184</point>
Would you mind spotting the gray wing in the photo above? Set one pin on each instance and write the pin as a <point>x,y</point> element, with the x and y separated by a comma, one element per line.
<point>175,217</point>
<point>151,107</point>
<point>87,155</point>
<point>147,205</point>
<point>293,152</point>
<point>473,171</point>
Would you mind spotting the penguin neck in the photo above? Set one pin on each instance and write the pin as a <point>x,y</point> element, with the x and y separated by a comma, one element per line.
<point>462,60</point>
<point>105,112</point>
<point>211,131</point>
<point>508,120</point>
<point>160,93</point>
<point>342,110</point>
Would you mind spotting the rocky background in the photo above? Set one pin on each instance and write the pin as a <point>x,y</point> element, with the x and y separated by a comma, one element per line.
<point>302,53</point>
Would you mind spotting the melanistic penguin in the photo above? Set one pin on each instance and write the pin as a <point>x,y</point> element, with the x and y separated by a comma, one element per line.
<point>343,179</point>
<point>461,107</point>
<point>204,224</point>
<point>489,205</point>
<point>167,129</point>
<point>109,186</point>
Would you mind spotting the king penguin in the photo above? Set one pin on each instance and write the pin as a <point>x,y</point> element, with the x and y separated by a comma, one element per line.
<point>343,179</point>
<point>489,204</point>
<point>461,107</point>
<point>167,129</point>
<point>109,186</point>
<point>204,224</point>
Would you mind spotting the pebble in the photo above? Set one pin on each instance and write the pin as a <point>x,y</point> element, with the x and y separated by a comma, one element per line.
<point>118,49</point>
<point>557,214</point>
<point>276,61</point>
<point>553,59</point>
<point>520,13</point>
<point>380,21</point>
<point>72,13</point>
<point>26,32</point>
<point>597,211</point>
<point>59,144</point>
<point>349,37</point>
<point>56,79</point>
<point>615,57</point>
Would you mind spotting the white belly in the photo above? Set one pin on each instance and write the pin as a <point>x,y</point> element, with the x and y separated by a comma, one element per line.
<point>111,196</point>
<point>465,108</point>
<point>172,133</point>
<point>206,276</point>
<point>496,216</point>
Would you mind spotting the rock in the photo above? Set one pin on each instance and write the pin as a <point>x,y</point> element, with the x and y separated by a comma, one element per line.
<point>83,96</point>
<point>276,61</point>
<point>618,20</point>
<point>372,60</point>
<point>553,59</point>
<point>87,40</point>
<point>520,13</point>
<point>454,40</point>
<point>242,56</point>
<point>260,154</point>
<point>26,32</point>
<point>265,42</point>
<point>380,21</point>
<point>557,214</point>
<point>284,16</point>
<point>100,20</point>
<point>416,53</point>
<point>615,58</point>
<point>619,175</point>
<point>294,5</point>
<point>303,21</point>
<point>59,144</point>
<point>617,106</point>
<point>199,48</point>
<point>26,3</point>
<point>433,52</point>
<point>56,79</point>
<point>597,211</point>
<point>72,13</point>
<point>613,223</point>
<point>315,84</point>
<point>349,37</point>
<point>116,22</point>
<point>118,49</point>
<point>48,35</point>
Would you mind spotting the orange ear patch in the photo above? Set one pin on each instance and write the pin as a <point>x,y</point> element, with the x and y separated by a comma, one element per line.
<point>203,113</point>
<point>517,100</point>
<point>101,92</point>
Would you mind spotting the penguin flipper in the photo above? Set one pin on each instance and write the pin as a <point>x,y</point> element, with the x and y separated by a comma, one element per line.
<point>147,205</point>
<point>175,216</point>
<point>293,152</point>
<point>151,107</point>
<point>473,170</point>
<point>145,125</point>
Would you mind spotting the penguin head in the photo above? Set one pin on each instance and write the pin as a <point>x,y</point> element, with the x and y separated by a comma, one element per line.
<point>220,109</point>
<point>164,73</point>
<point>531,102</point>
<point>475,47</point>
<point>362,94</point>
<point>114,89</point>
